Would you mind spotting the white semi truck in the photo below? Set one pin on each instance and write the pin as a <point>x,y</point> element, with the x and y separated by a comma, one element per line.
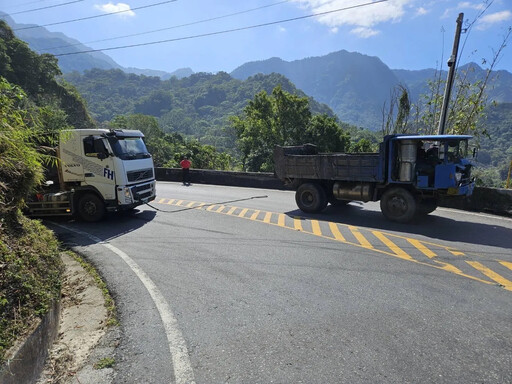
<point>97,171</point>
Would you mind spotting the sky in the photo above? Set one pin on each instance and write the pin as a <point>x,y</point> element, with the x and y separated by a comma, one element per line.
<point>220,35</point>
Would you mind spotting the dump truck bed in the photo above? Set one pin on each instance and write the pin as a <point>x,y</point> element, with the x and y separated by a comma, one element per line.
<point>303,162</point>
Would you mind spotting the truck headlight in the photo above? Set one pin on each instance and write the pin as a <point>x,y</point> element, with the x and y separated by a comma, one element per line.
<point>126,195</point>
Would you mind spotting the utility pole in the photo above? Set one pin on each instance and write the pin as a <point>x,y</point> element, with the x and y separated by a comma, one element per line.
<point>451,75</point>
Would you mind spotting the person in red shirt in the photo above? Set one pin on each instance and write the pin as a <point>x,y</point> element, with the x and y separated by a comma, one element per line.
<point>185,169</point>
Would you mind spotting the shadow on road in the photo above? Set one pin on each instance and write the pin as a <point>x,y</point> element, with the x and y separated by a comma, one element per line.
<point>113,226</point>
<point>433,226</point>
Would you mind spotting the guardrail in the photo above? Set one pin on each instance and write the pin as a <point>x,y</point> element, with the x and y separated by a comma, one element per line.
<point>493,200</point>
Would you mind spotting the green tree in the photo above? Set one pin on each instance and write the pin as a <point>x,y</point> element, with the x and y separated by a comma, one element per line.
<point>282,119</point>
<point>325,132</point>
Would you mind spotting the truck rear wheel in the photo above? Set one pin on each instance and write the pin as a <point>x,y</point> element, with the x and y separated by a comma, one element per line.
<point>91,208</point>
<point>311,198</point>
<point>398,204</point>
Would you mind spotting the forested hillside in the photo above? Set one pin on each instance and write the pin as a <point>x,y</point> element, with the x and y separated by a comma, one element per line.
<point>495,153</point>
<point>198,106</point>
<point>355,86</point>
<point>33,107</point>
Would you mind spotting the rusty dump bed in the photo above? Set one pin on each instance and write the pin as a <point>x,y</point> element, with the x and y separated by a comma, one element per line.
<point>303,162</point>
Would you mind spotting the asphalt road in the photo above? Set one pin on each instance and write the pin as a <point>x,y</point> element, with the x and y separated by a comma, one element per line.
<point>235,285</point>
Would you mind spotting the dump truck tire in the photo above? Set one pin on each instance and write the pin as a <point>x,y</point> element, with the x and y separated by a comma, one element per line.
<point>90,207</point>
<point>426,206</point>
<point>311,198</point>
<point>398,204</point>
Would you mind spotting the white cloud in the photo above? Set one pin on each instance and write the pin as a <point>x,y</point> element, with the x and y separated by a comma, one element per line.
<point>421,11</point>
<point>119,7</point>
<point>488,20</point>
<point>364,32</point>
<point>468,4</point>
<point>363,18</point>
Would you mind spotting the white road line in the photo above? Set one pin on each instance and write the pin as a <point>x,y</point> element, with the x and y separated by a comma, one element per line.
<point>177,346</point>
<point>485,215</point>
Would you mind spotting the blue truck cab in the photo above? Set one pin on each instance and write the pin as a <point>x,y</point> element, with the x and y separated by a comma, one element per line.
<point>436,163</point>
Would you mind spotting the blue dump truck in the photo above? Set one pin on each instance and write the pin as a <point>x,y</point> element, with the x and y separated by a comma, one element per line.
<point>408,175</point>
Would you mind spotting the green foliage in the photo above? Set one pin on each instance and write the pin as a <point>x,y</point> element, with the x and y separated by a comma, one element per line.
<point>168,149</point>
<point>397,122</point>
<point>282,119</point>
<point>106,362</point>
<point>30,270</point>
<point>495,152</point>
<point>198,106</point>
<point>466,109</point>
<point>36,75</point>
<point>20,163</point>
<point>33,108</point>
<point>326,133</point>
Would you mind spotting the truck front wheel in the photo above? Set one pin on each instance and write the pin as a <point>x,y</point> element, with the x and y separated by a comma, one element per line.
<point>91,208</point>
<point>427,206</point>
<point>398,204</point>
<point>311,198</point>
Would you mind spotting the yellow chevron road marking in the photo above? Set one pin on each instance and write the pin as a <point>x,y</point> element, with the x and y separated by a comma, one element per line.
<point>280,220</point>
<point>506,264</point>
<point>359,236</point>
<point>507,284</point>
<point>336,229</point>
<point>395,248</point>
<point>297,224</point>
<point>315,226</point>
<point>422,248</point>
<point>336,232</point>
<point>244,211</point>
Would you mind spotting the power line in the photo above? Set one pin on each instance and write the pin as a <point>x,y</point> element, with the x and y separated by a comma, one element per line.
<point>22,4</point>
<point>96,16</point>
<point>169,28</point>
<point>224,31</point>
<point>47,7</point>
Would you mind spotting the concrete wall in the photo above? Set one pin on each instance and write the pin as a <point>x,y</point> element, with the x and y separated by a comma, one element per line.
<point>26,362</point>
<point>498,201</point>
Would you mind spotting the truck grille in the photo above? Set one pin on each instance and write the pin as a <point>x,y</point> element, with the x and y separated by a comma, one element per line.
<point>140,175</point>
<point>142,191</point>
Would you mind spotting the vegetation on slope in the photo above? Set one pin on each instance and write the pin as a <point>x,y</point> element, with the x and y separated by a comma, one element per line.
<point>33,107</point>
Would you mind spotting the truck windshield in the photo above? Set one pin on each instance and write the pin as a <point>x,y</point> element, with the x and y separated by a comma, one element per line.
<point>129,148</point>
<point>456,149</point>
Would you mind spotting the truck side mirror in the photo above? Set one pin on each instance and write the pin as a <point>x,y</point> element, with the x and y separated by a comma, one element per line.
<point>475,153</point>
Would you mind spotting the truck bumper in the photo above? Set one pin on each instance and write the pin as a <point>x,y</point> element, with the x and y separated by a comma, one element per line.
<point>463,190</point>
<point>134,195</point>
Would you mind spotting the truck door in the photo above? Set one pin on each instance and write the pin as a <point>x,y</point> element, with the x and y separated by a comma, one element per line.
<point>99,168</point>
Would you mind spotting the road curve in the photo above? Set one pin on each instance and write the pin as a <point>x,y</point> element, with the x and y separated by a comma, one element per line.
<point>259,292</point>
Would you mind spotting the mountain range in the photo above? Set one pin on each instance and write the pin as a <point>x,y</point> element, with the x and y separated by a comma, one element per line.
<point>356,87</point>
<point>43,41</point>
